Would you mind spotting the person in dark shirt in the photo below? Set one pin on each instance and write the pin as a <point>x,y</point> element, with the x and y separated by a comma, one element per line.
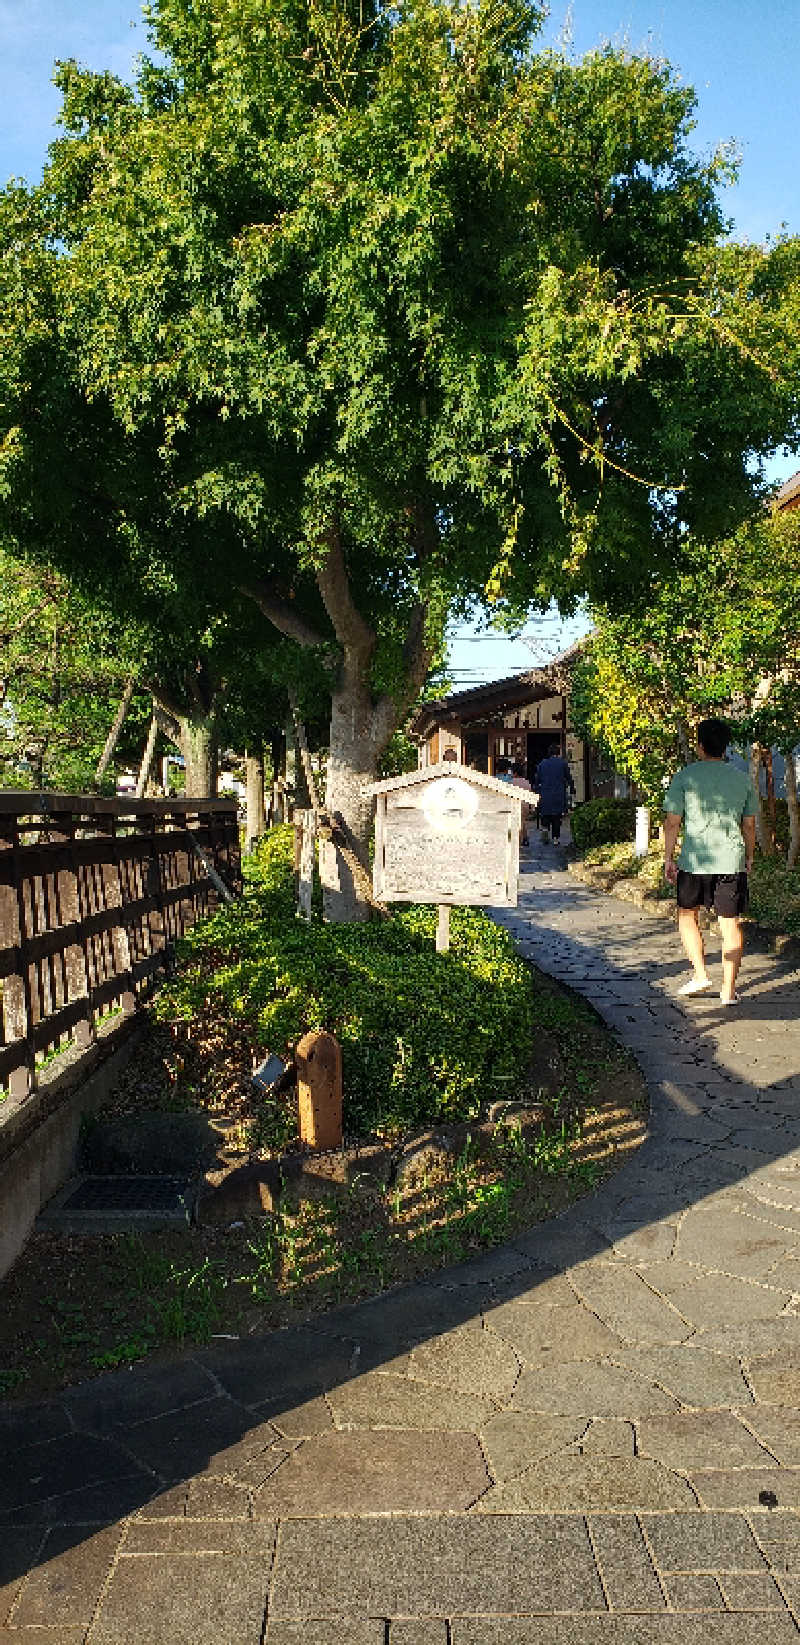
<point>554,785</point>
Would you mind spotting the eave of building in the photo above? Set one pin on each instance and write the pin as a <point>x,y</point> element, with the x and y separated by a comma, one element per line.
<point>789,494</point>
<point>487,703</point>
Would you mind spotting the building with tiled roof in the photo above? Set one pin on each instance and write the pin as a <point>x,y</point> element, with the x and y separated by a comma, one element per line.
<point>518,718</point>
<point>789,494</point>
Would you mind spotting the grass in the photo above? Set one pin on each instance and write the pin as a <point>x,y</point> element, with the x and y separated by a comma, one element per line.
<point>73,1307</point>
<point>774,888</point>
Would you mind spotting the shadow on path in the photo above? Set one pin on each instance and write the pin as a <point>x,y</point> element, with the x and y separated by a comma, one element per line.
<point>639,1354</point>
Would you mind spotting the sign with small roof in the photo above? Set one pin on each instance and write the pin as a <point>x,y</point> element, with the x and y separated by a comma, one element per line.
<point>448,835</point>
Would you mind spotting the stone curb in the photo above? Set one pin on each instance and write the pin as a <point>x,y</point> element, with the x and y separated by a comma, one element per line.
<point>763,938</point>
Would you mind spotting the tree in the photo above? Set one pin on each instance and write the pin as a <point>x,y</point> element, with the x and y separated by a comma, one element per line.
<point>63,668</point>
<point>722,637</point>
<point>390,309</point>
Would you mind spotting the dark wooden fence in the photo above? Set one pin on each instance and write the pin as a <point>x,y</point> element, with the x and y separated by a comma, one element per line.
<point>93,893</point>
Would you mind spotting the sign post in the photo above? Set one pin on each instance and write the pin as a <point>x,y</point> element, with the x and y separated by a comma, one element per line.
<point>443,929</point>
<point>447,835</point>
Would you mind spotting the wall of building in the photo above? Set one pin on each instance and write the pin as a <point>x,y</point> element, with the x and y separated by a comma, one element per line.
<point>508,738</point>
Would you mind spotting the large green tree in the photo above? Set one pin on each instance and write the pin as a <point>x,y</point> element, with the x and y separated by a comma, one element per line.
<point>720,636</point>
<point>64,666</point>
<point>356,312</point>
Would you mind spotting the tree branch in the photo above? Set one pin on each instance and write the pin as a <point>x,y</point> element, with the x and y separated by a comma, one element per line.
<point>351,629</point>
<point>11,633</point>
<point>417,656</point>
<point>281,613</point>
<point>169,713</point>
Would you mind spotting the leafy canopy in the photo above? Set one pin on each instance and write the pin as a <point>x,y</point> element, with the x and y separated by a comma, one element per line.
<point>399,271</point>
<point>719,638</point>
<point>63,667</point>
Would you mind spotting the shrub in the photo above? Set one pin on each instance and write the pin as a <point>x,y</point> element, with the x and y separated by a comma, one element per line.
<point>423,1035</point>
<point>602,822</point>
<point>782,825</point>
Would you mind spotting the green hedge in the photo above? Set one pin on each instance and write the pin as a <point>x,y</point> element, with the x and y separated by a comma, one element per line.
<point>602,822</point>
<point>423,1035</point>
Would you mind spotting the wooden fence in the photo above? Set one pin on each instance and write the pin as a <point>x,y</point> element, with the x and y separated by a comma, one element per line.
<point>93,893</point>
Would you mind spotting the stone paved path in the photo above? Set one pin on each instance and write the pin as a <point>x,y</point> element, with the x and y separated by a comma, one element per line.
<point>589,1437</point>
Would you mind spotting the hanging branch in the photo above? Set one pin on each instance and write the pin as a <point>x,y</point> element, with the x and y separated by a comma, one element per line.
<point>113,735</point>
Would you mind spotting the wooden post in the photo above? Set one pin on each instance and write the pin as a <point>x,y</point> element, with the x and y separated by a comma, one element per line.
<point>443,929</point>
<point>16,1003</point>
<point>319,1090</point>
<point>72,911</point>
<point>114,897</point>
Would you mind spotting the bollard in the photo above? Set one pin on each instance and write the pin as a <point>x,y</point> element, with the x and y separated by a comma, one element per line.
<point>642,841</point>
<point>319,1090</point>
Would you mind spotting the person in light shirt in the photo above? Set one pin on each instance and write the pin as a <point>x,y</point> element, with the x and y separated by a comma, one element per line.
<point>716,804</point>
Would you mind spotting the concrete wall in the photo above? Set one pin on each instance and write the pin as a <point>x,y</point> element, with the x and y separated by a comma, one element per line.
<point>38,1150</point>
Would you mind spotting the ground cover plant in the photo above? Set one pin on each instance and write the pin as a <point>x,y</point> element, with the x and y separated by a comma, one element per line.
<point>424,1036</point>
<point>76,1306</point>
<point>774,888</point>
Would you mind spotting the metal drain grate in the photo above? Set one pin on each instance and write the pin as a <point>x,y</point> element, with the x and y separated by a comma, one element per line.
<point>128,1194</point>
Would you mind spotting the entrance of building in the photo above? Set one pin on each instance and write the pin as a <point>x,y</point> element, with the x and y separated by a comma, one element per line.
<point>476,750</point>
<point>538,744</point>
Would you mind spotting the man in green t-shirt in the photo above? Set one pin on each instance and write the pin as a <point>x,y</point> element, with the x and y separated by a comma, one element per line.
<point>717,805</point>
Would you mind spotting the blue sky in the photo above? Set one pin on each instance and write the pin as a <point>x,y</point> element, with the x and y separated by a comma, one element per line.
<point>742,58</point>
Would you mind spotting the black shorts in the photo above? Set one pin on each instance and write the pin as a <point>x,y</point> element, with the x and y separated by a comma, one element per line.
<point>725,893</point>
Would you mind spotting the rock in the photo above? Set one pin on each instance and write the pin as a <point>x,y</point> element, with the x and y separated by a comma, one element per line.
<point>429,1154</point>
<point>250,1190</point>
<point>342,1167</point>
<point>515,1113</point>
<point>260,1187</point>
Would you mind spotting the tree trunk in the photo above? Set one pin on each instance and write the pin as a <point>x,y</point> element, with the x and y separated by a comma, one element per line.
<point>256,824</point>
<point>276,796</point>
<point>198,739</point>
<point>360,727</point>
<point>793,806</point>
<point>113,735</point>
<point>360,731</point>
<point>299,798</point>
<point>764,834</point>
<point>771,809</point>
<point>147,759</point>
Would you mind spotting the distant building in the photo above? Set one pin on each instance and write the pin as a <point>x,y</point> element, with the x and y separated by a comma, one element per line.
<point>517,719</point>
<point>789,494</point>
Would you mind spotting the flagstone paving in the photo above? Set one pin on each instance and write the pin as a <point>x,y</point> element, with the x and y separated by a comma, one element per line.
<point>589,1437</point>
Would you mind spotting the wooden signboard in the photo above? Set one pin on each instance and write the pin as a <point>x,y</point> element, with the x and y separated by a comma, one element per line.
<point>448,835</point>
